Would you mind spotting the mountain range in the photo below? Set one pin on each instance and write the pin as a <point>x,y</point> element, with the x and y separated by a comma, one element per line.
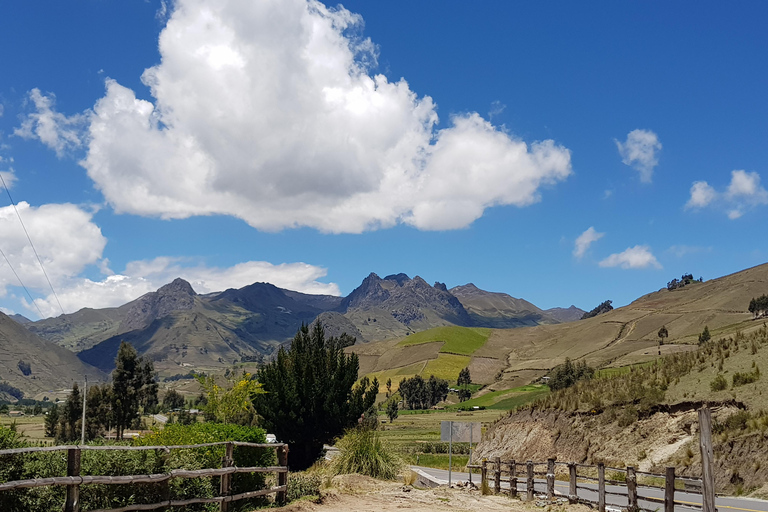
<point>182,330</point>
<point>507,358</point>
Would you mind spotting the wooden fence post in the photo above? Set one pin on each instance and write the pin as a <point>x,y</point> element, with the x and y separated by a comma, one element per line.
<point>513,479</point>
<point>165,487</point>
<point>225,484</point>
<point>497,480</point>
<point>529,481</point>
<point>669,490</point>
<point>550,478</point>
<point>600,487</point>
<point>632,489</point>
<point>72,504</point>
<point>282,478</point>
<point>484,476</point>
<point>573,493</point>
<point>707,474</point>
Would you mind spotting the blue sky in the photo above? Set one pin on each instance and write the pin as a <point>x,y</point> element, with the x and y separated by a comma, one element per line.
<point>556,153</point>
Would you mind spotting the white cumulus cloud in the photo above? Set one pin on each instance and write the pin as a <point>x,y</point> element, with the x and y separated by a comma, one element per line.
<point>702,194</point>
<point>54,129</point>
<point>268,111</point>
<point>584,240</point>
<point>65,238</point>
<point>742,193</point>
<point>745,186</point>
<point>639,152</point>
<point>639,256</point>
<point>68,242</point>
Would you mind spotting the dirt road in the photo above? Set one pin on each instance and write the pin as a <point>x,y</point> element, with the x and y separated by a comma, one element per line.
<point>361,494</point>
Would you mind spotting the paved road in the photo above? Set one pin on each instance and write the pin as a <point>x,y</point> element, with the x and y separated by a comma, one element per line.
<point>724,503</point>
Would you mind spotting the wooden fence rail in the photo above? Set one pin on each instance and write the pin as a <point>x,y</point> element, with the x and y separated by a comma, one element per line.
<point>496,471</point>
<point>74,480</point>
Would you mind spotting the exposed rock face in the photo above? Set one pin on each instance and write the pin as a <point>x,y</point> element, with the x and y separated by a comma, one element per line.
<point>408,300</point>
<point>336,324</point>
<point>665,438</point>
<point>175,296</point>
<point>370,293</point>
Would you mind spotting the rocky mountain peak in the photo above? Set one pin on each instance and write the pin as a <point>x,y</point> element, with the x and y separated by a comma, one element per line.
<point>177,295</point>
<point>466,289</point>
<point>177,287</point>
<point>400,278</point>
<point>370,293</point>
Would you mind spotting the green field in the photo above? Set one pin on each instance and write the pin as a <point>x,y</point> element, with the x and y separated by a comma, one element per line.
<point>505,399</point>
<point>396,374</point>
<point>458,340</point>
<point>446,366</point>
<point>32,427</point>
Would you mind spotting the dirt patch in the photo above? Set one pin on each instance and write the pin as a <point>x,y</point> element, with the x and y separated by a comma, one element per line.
<point>355,493</point>
<point>484,369</point>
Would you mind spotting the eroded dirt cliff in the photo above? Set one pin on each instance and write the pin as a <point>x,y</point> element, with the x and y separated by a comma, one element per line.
<point>667,437</point>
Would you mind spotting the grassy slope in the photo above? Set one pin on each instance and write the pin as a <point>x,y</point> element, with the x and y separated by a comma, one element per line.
<point>624,336</point>
<point>457,340</point>
<point>677,378</point>
<point>505,399</point>
<point>441,351</point>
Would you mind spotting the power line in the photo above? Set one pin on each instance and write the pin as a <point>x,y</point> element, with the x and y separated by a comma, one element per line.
<point>32,245</point>
<point>22,284</point>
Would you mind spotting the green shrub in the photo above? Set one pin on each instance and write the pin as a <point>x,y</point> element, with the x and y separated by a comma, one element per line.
<point>123,462</point>
<point>210,457</point>
<point>628,416</point>
<point>362,451</point>
<point>302,485</point>
<point>442,447</point>
<point>718,383</point>
<point>740,379</point>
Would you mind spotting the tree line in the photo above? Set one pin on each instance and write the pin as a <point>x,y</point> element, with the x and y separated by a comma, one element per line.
<point>418,393</point>
<point>601,308</point>
<point>307,396</point>
<point>111,405</point>
<point>684,280</point>
<point>567,374</point>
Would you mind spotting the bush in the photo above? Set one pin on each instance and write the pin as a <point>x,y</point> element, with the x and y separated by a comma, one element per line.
<point>442,447</point>
<point>302,485</point>
<point>121,462</point>
<point>718,383</point>
<point>362,451</point>
<point>740,379</point>
<point>210,457</point>
<point>628,416</point>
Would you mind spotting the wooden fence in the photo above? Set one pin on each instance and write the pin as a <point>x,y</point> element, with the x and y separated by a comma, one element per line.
<point>73,480</point>
<point>591,480</point>
<point>626,482</point>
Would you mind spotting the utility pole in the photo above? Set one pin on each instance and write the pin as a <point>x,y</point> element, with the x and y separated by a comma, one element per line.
<point>82,423</point>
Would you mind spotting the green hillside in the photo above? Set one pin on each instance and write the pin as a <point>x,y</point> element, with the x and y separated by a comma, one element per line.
<point>509,358</point>
<point>440,351</point>
<point>456,340</point>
